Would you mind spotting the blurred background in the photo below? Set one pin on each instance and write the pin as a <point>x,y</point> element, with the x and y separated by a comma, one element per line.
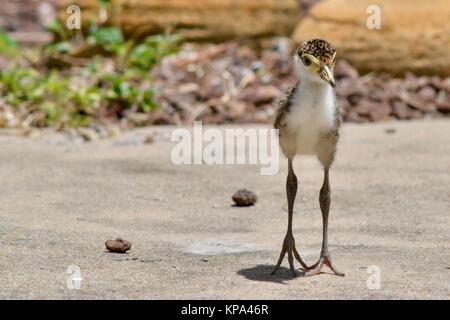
<point>137,63</point>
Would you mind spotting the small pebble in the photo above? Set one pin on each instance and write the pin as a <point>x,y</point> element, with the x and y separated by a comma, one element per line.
<point>390,130</point>
<point>244,198</point>
<point>119,245</point>
<point>149,140</point>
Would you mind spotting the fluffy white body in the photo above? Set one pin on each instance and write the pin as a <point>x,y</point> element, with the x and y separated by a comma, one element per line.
<point>312,112</point>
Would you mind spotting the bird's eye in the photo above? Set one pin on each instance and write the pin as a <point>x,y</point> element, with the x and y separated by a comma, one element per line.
<point>306,61</point>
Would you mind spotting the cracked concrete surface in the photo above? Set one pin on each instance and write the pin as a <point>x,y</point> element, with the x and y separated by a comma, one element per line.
<point>60,200</point>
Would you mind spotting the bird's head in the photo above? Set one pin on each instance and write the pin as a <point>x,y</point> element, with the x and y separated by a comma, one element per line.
<point>314,60</point>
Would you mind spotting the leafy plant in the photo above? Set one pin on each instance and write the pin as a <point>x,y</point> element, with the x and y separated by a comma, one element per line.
<point>149,53</point>
<point>7,45</point>
<point>108,38</point>
<point>57,29</point>
<point>115,80</point>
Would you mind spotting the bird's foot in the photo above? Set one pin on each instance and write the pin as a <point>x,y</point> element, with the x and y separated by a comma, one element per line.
<point>317,267</point>
<point>289,248</point>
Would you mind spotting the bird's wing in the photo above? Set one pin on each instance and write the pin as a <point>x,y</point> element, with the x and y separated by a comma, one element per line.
<point>338,111</point>
<point>284,104</point>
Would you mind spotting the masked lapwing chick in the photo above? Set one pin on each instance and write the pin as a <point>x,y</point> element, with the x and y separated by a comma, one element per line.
<point>308,124</point>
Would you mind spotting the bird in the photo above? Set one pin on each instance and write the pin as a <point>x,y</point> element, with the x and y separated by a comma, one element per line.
<point>308,122</point>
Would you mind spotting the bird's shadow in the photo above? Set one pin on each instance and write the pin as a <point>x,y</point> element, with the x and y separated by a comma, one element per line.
<point>262,273</point>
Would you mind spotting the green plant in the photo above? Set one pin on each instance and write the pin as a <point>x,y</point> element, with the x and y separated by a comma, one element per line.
<point>144,56</point>
<point>115,80</point>
<point>7,45</point>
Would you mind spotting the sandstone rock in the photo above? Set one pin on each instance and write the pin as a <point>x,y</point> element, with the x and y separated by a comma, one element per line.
<point>196,20</point>
<point>414,34</point>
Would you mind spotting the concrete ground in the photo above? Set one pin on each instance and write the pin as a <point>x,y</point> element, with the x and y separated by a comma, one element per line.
<point>61,199</point>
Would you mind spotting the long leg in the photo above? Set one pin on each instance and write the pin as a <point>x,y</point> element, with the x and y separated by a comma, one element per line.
<point>289,242</point>
<point>325,208</point>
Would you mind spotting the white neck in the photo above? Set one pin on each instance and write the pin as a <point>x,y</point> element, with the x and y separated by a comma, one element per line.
<point>315,92</point>
<point>315,86</point>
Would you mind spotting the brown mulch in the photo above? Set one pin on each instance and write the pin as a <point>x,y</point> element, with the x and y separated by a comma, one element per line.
<point>240,82</point>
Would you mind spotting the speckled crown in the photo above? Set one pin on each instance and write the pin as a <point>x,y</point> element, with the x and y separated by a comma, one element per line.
<point>321,49</point>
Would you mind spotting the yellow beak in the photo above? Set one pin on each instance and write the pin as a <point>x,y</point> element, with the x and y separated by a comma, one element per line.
<point>327,75</point>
